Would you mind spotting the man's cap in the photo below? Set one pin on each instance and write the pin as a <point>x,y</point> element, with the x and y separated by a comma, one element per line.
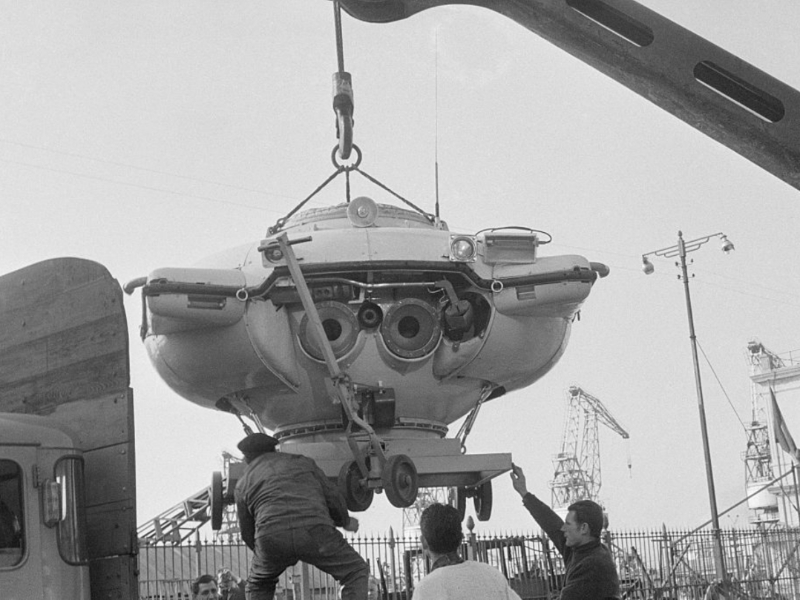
<point>257,443</point>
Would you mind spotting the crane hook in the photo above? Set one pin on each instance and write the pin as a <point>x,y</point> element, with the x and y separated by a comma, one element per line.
<point>343,104</point>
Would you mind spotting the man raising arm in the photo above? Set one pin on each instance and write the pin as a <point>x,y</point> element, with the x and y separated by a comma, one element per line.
<point>590,571</point>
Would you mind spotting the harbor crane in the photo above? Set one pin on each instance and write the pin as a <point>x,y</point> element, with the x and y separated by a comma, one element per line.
<point>758,455</point>
<point>577,465</point>
<point>770,375</point>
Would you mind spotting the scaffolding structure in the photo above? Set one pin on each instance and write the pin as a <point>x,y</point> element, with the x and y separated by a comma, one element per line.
<point>179,522</point>
<point>425,497</point>
<point>758,454</point>
<point>772,375</point>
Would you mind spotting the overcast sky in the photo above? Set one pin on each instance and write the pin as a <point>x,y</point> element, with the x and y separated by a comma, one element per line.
<point>150,134</point>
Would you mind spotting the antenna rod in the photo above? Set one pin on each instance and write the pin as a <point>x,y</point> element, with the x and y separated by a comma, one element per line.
<point>436,121</point>
<point>436,165</point>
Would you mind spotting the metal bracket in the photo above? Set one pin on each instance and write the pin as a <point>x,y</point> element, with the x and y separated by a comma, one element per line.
<point>466,426</point>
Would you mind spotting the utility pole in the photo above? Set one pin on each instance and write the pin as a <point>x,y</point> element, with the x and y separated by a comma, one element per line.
<point>681,250</point>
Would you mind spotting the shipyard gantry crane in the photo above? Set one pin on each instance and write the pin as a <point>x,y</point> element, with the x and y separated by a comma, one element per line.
<point>771,375</point>
<point>758,455</point>
<point>577,465</point>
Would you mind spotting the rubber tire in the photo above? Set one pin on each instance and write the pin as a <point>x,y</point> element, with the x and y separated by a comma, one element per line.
<point>457,498</point>
<point>483,501</point>
<point>400,481</point>
<point>216,501</point>
<point>357,497</point>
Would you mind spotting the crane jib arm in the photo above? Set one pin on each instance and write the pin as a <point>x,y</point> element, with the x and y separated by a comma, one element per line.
<point>709,88</point>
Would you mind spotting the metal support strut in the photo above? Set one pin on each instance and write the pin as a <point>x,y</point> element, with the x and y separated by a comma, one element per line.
<point>466,426</point>
<point>341,381</point>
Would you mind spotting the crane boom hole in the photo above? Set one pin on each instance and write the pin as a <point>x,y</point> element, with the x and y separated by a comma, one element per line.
<point>739,91</point>
<point>615,21</point>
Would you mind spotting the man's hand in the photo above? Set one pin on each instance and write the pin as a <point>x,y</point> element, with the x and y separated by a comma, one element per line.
<point>518,480</point>
<point>351,525</point>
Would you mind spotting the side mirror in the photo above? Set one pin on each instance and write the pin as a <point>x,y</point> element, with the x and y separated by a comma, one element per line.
<point>51,502</point>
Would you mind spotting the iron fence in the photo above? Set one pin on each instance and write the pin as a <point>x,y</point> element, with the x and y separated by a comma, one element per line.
<point>665,564</point>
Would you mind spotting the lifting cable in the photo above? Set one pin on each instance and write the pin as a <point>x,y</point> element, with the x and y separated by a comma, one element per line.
<point>342,168</point>
<point>343,104</point>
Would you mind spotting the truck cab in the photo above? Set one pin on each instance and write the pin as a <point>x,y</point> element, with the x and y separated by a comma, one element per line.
<point>43,541</point>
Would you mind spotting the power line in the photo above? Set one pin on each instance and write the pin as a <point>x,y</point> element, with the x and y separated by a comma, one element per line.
<point>145,169</point>
<point>140,186</point>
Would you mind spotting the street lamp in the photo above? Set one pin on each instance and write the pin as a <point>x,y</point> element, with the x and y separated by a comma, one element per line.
<point>681,249</point>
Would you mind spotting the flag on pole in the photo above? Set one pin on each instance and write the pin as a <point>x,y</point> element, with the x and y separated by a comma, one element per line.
<point>782,435</point>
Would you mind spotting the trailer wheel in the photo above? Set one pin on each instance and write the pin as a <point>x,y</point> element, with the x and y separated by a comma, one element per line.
<point>216,501</point>
<point>357,495</point>
<point>457,498</point>
<point>400,481</point>
<point>483,501</point>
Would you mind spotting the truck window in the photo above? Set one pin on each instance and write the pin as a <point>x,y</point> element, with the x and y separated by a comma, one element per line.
<point>12,536</point>
<point>72,526</point>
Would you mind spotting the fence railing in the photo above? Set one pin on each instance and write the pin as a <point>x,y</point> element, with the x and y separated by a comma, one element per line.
<point>666,564</point>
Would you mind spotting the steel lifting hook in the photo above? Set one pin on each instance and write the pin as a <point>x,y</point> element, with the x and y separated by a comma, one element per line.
<point>343,104</point>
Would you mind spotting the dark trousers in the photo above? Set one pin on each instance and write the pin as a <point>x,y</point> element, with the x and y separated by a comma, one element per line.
<point>322,546</point>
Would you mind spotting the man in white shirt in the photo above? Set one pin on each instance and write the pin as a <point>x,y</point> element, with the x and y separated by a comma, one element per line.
<point>452,577</point>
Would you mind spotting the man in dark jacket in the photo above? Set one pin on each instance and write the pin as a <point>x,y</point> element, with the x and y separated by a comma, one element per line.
<point>590,571</point>
<point>288,511</point>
